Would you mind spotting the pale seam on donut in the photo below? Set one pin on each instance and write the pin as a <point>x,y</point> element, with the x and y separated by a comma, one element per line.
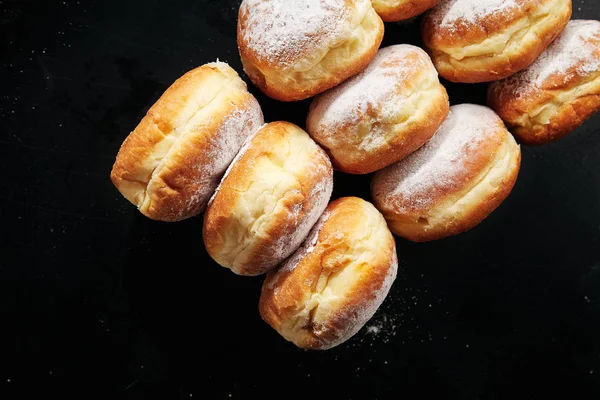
<point>330,286</point>
<point>446,214</point>
<point>415,99</point>
<point>264,219</point>
<point>496,173</point>
<point>252,229</point>
<point>510,39</point>
<point>386,125</point>
<point>180,133</point>
<point>305,317</point>
<point>389,129</point>
<point>562,98</point>
<point>291,182</point>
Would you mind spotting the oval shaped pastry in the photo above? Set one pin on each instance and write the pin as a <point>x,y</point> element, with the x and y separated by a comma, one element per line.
<point>293,50</point>
<point>268,201</point>
<point>171,164</point>
<point>558,92</point>
<point>399,10</point>
<point>486,40</point>
<point>381,115</point>
<point>453,182</point>
<point>328,290</point>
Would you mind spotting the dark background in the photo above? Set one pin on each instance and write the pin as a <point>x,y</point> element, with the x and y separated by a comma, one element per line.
<point>97,301</point>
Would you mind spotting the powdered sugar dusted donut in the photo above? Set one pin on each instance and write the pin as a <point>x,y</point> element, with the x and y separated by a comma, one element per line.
<point>170,165</point>
<point>268,201</point>
<point>381,115</point>
<point>558,92</point>
<point>453,182</point>
<point>399,10</point>
<point>328,290</point>
<point>294,49</point>
<point>485,40</point>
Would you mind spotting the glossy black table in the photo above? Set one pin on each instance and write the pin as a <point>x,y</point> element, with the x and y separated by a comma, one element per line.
<point>99,302</point>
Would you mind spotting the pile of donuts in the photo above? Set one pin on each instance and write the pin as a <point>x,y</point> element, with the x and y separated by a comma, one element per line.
<point>265,189</point>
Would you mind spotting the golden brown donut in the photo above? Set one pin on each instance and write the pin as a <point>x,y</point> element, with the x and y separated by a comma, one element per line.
<point>558,92</point>
<point>269,199</point>
<point>324,293</point>
<point>486,40</point>
<point>399,10</point>
<point>293,50</point>
<point>453,182</point>
<point>381,115</point>
<point>171,164</point>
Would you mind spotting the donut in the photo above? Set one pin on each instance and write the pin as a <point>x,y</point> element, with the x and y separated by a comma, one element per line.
<point>268,201</point>
<point>382,114</point>
<point>474,41</point>
<point>558,92</point>
<point>293,50</point>
<point>326,291</point>
<point>400,10</point>
<point>453,182</point>
<point>171,164</point>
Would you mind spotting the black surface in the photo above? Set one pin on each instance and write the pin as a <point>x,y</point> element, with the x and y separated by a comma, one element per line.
<point>99,302</point>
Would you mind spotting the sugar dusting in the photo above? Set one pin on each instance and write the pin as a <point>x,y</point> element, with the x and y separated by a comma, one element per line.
<point>256,128</point>
<point>438,163</point>
<point>403,317</point>
<point>283,30</point>
<point>374,92</point>
<point>452,12</point>
<point>307,247</point>
<point>315,186</point>
<point>572,52</point>
<point>224,144</point>
<point>306,214</point>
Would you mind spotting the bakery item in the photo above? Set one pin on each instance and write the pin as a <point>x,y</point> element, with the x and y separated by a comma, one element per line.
<point>170,165</point>
<point>558,92</point>
<point>453,182</point>
<point>381,115</point>
<point>400,10</point>
<point>268,201</point>
<point>324,293</point>
<point>486,40</point>
<point>295,49</point>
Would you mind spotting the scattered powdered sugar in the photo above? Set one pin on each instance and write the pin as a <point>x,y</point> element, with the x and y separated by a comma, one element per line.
<point>374,329</point>
<point>574,48</point>
<point>438,163</point>
<point>283,30</point>
<point>381,329</point>
<point>451,12</point>
<point>375,90</point>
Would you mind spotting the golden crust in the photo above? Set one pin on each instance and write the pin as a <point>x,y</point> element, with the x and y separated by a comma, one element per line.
<point>493,46</point>
<point>269,200</point>
<point>201,120</point>
<point>482,177</point>
<point>538,108</point>
<point>400,10</point>
<point>381,115</point>
<point>314,65</point>
<point>334,284</point>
